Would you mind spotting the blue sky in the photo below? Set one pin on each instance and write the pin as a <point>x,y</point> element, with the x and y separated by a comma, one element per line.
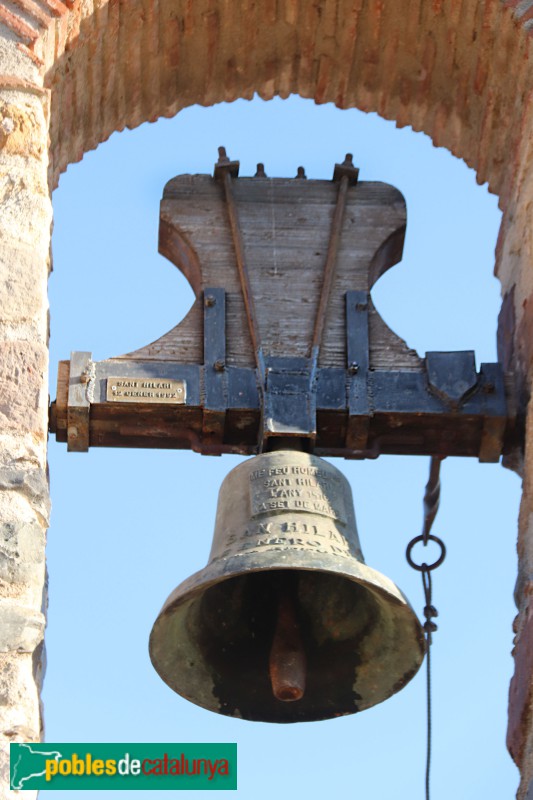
<point>128,526</point>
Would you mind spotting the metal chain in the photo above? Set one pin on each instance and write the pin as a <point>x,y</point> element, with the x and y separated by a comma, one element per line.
<point>429,628</point>
<point>431,506</point>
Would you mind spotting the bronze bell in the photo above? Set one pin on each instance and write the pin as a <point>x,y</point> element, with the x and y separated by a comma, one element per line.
<point>286,623</point>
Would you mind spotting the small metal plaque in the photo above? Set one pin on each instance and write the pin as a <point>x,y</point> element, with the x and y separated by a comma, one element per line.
<point>146,390</point>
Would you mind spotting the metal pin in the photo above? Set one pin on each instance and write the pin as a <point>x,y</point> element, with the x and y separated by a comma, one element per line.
<point>222,155</point>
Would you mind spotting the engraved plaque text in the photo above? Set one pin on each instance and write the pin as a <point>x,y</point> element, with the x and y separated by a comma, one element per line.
<point>146,390</point>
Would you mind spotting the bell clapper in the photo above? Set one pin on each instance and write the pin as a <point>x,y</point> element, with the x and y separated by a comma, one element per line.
<point>287,664</point>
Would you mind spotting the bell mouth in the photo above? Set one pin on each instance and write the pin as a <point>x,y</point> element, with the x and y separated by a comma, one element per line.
<point>361,641</point>
<point>286,623</point>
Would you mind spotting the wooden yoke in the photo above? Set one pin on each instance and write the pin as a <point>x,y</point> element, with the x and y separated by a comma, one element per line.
<point>283,343</point>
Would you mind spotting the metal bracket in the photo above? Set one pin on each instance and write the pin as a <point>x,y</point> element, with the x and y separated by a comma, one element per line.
<point>333,411</point>
<point>496,416</point>
<point>357,358</point>
<point>78,403</point>
<point>214,368</point>
<point>346,170</point>
<point>224,166</point>
<point>289,399</point>
<point>452,376</point>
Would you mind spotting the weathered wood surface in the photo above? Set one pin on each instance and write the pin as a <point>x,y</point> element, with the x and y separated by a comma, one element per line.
<point>79,406</point>
<point>286,228</point>
<point>372,394</point>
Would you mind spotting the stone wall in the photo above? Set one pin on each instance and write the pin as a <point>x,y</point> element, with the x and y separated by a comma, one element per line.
<point>74,71</point>
<point>24,262</point>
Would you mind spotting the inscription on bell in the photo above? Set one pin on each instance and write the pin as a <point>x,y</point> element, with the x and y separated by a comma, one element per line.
<point>297,488</point>
<point>146,390</point>
<point>322,537</point>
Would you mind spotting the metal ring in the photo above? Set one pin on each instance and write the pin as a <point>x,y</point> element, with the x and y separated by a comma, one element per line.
<point>428,567</point>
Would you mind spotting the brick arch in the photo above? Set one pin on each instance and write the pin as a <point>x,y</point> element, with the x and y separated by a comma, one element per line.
<point>456,69</point>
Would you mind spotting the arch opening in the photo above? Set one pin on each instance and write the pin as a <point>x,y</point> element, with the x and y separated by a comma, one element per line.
<point>145,535</point>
